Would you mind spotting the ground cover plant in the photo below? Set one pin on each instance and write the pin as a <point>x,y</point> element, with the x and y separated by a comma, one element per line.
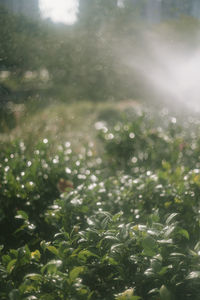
<point>120,223</point>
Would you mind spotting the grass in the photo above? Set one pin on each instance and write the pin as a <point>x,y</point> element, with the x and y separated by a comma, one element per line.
<point>58,120</point>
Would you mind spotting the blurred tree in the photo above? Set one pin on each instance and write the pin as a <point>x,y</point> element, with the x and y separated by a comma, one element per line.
<point>96,13</point>
<point>20,41</point>
<point>175,8</point>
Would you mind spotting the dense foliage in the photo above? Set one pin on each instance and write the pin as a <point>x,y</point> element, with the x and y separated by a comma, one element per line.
<point>122,225</point>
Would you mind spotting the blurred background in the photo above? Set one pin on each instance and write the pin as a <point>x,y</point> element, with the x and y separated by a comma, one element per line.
<point>65,63</point>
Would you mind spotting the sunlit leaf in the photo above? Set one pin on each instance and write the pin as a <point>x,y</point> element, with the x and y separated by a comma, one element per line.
<point>34,276</point>
<point>11,265</point>
<point>169,230</point>
<point>117,216</point>
<point>193,275</point>
<point>52,266</point>
<point>164,241</point>
<point>31,298</point>
<point>85,254</point>
<point>21,215</point>
<point>197,246</point>
<point>165,269</point>
<point>171,218</point>
<point>74,273</point>
<point>184,233</point>
<point>165,293</point>
<point>149,272</point>
<point>53,250</point>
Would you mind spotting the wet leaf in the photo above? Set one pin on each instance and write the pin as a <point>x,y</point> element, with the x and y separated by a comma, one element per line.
<point>193,275</point>
<point>165,293</point>
<point>11,265</point>
<point>74,273</point>
<point>171,218</point>
<point>53,250</point>
<point>34,276</point>
<point>21,215</point>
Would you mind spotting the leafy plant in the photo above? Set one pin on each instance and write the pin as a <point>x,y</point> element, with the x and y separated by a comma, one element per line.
<point>98,234</point>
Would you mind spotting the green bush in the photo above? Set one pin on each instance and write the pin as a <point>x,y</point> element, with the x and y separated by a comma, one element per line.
<point>142,143</point>
<point>114,231</point>
<point>32,178</point>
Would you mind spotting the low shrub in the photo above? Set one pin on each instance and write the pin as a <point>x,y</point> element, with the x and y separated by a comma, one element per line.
<point>30,179</point>
<point>109,227</point>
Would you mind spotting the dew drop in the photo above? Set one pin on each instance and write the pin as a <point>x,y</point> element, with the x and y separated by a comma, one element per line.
<point>134,160</point>
<point>45,141</point>
<point>29,163</point>
<point>7,168</point>
<point>68,171</point>
<point>131,135</point>
<point>173,120</point>
<point>67,144</point>
<point>55,160</point>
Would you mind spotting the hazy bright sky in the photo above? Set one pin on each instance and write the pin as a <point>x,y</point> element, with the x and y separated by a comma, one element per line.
<point>64,11</point>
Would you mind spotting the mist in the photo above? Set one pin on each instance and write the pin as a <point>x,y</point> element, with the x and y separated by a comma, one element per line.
<point>166,65</point>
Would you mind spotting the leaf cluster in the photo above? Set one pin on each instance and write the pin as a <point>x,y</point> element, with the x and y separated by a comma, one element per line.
<point>127,234</point>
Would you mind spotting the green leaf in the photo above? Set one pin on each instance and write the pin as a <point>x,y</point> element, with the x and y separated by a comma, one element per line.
<point>83,292</point>
<point>184,233</point>
<point>6,258</point>
<point>14,252</point>
<point>44,245</point>
<point>34,276</point>
<point>21,215</point>
<point>165,269</point>
<point>165,293</point>
<point>153,291</point>
<point>127,295</point>
<point>149,272</point>
<point>169,230</point>
<point>170,218</point>
<point>177,254</point>
<point>110,237</point>
<point>117,216</point>
<point>116,247</point>
<point>156,265</point>
<point>14,295</point>
<point>169,241</point>
<point>149,245</point>
<point>193,275</point>
<point>85,254</point>
<point>75,272</point>
<point>110,260</point>
<point>52,266</point>
<point>11,265</point>
<point>197,247</point>
<point>53,250</point>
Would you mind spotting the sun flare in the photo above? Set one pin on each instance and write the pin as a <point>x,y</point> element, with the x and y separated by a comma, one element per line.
<point>63,11</point>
